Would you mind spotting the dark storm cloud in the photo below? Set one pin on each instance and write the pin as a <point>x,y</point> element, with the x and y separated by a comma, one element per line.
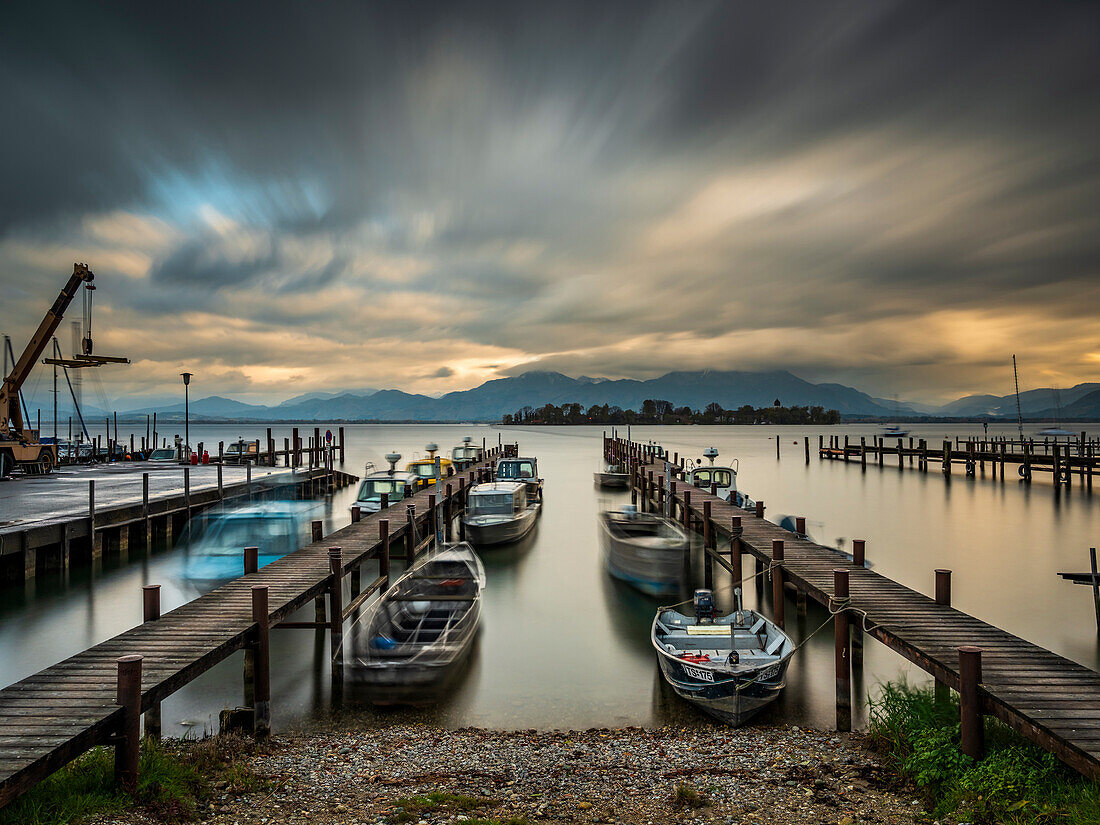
<point>614,188</point>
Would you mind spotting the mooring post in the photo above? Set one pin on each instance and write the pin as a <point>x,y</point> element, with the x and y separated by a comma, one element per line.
<point>943,597</point>
<point>261,663</point>
<point>777,581</point>
<point>341,431</point>
<point>187,491</point>
<point>800,526</point>
<point>859,552</point>
<point>410,533</point>
<point>863,452</point>
<point>128,695</point>
<point>760,509</point>
<point>336,609</point>
<point>384,502</point>
<point>777,448</point>
<point>843,651</point>
<point>356,515</point>
<point>384,552</point>
<point>251,560</point>
<point>95,541</point>
<point>970,710</point>
<point>1095,586</point>
<point>735,549</point>
<point>150,612</point>
<point>687,510</point>
<point>316,534</point>
<point>708,540</point>
<point>145,523</point>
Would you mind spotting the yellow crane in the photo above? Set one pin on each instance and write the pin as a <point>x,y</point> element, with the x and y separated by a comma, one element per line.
<point>20,446</point>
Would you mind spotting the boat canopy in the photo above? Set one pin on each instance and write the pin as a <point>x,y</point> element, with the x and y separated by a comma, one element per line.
<point>516,468</point>
<point>375,487</point>
<point>497,499</point>
<point>705,476</point>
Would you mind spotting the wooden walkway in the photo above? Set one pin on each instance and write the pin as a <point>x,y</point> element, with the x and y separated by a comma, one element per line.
<point>1047,698</point>
<point>51,717</point>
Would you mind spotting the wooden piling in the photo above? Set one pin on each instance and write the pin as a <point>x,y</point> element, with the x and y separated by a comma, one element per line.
<point>251,560</point>
<point>708,539</point>
<point>410,533</point>
<point>150,612</point>
<point>777,582</point>
<point>384,552</point>
<point>735,549</point>
<point>943,597</point>
<point>336,611</point>
<point>128,743</point>
<point>261,663</point>
<point>970,710</point>
<point>843,654</point>
<point>316,534</point>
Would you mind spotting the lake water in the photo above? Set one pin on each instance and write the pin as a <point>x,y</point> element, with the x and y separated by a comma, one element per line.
<point>564,646</point>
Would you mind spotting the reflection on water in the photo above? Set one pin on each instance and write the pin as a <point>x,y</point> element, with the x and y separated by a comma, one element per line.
<point>563,645</point>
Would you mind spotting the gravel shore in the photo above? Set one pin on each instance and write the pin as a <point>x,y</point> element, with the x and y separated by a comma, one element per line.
<point>700,774</point>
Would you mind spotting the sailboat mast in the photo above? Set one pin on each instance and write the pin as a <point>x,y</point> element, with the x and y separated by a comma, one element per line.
<point>1019,415</point>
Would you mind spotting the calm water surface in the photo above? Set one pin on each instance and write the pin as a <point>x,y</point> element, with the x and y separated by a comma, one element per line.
<point>562,645</point>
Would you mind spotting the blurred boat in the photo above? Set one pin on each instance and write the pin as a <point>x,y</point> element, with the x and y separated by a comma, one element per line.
<point>894,431</point>
<point>395,485</point>
<point>521,469</point>
<point>613,476</point>
<point>723,479</point>
<point>498,513</point>
<point>216,539</point>
<point>426,469</point>
<point>467,453</point>
<point>728,666</point>
<point>644,550</point>
<point>422,628</point>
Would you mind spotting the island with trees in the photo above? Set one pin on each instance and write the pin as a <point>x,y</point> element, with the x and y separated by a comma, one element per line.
<point>656,411</point>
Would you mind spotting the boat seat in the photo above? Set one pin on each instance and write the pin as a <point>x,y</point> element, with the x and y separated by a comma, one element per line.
<point>756,628</point>
<point>774,645</point>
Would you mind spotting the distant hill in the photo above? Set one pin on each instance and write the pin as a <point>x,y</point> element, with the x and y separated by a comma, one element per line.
<point>493,399</point>
<point>1033,403</point>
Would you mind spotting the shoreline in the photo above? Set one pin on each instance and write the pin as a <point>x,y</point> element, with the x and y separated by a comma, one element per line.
<point>422,773</point>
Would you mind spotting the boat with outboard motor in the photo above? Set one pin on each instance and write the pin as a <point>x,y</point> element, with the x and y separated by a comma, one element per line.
<point>421,629</point>
<point>498,512</point>
<point>722,479</point>
<point>426,469</point>
<point>644,550</point>
<point>613,476</point>
<point>523,469</point>
<point>467,453</point>
<point>396,486</point>
<point>728,666</point>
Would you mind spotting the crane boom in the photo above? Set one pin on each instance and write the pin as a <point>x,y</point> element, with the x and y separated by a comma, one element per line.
<point>11,417</point>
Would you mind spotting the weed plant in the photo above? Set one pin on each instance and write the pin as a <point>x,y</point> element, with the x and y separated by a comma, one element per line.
<point>1016,783</point>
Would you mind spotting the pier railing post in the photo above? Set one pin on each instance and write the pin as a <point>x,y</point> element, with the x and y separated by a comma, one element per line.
<point>150,612</point>
<point>447,512</point>
<point>316,534</point>
<point>384,553</point>
<point>356,515</point>
<point>261,663</point>
<point>336,609</point>
<point>800,526</point>
<point>777,581</point>
<point>687,510</point>
<point>859,559</point>
<point>187,491</point>
<point>410,533</point>
<point>145,523</point>
<point>95,543</point>
<point>251,560</point>
<point>843,656</point>
<point>708,541</point>
<point>970,710</point>
<point>943,597</point>
<point>735,549</point>
<point>760,509</point>
<point>128,744</point>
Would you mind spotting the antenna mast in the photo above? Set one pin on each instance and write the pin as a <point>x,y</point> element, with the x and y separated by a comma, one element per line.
<point>1019,415</point>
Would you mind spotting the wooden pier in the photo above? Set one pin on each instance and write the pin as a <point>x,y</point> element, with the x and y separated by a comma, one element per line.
<point>1047,698</point>
<point>100,510</point>
<point>1063,461</point>
<point>95,697</point>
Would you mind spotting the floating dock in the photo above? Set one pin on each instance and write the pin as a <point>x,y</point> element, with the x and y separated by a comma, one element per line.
<point>96,697</point>
<point>1050,700</point>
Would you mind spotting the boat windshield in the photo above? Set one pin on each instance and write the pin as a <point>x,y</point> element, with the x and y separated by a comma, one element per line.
<point>163,454</point>
<point>275,536</point>
<point>491,504</point>
<point>374,488</point>
<point>516,469</point>
<point>713,475</point>
<point>425,470</point>
<point>465,453</point>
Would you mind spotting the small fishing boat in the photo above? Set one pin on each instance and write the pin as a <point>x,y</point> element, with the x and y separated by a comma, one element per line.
<point>521,469</point>
<point>426,469</point>
<point>728,666</point>
<point>498,512</point>
<point>466,453</point>
<point>894,431</point>
<point>644,550</point>
<point>394,485</point>
<point>421,629</point>
<point>723,479</point>
<point>614,476</point>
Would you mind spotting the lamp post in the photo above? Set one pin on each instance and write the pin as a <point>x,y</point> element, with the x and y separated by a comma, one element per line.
<point>186,416</point>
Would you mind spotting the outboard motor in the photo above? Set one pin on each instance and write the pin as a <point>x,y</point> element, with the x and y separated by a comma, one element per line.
<point>704,606</point>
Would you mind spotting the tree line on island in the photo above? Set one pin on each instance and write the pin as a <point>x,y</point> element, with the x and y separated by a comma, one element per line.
<point>656,411</point>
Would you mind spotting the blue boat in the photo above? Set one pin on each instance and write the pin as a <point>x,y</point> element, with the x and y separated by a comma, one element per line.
<point>216,539</point>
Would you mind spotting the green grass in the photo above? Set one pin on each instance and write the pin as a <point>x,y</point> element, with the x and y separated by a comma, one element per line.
<point>411,807</point>
<point>1016,783</point>
<point>174,780</point>
<point>685,796</point>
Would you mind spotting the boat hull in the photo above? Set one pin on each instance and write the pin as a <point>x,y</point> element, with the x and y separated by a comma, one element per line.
<point>652,568</point>
<point>734,699</point>
<point>612,480</point>
<point>482,534</point>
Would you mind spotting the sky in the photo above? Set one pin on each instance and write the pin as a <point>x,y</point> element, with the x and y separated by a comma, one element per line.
<point>289,197</point>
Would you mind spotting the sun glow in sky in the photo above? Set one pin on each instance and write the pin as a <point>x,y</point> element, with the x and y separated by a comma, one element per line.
<point>284,198</point>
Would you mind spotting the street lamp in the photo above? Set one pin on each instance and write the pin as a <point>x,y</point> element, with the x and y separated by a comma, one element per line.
<point>186,416</point>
